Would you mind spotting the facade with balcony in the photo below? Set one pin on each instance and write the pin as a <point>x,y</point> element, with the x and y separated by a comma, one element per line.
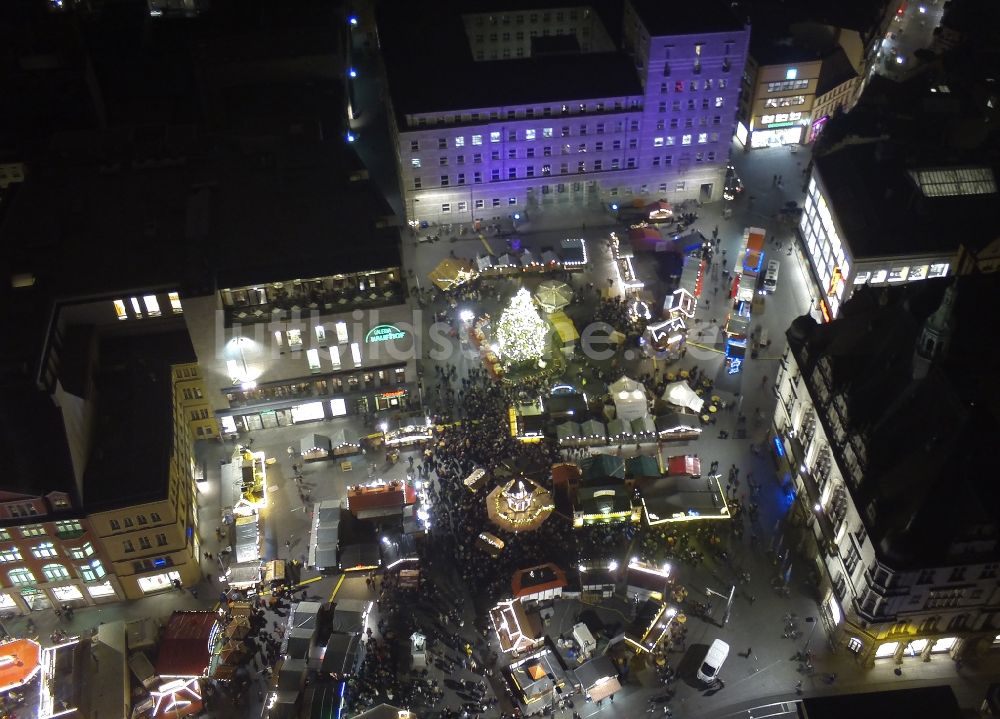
<point>582,125</point>
<point>905,546</point>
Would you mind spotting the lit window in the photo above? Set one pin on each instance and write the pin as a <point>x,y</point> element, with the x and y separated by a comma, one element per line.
<point>55,572</point>
<point>459,142</point>
<point>529,134</point>
<point>312,355</point>
<point>277,338</point>
<point>87,550</point>
<point>657,142</point>
<point>341,332</point>
<point>21,576</point>
<point>356,353</point>
<point>494,137</point>
<point>686,140</point>
<point>546,132</point>
<point>477,139</point>
<point>135,306</point>
<point>791,73</point>
<point>338,407</point>
<point>702,138</point>
<point>120,310</point>
<point>152,306</point>
<point>93,571</point>
<point>335,356</point>
<point>320,334</point>
<point>415,162</point>
<point>719,101</point>
<point>175,302</point>
<point>11,554</point>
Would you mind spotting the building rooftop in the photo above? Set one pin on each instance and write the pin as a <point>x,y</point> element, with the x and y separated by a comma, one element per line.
<point>927,438</point>
<point>184,649</point>
<point>133,431</point>
<point>835,71</point>
<point>935,702</point>
<point>682,18</point>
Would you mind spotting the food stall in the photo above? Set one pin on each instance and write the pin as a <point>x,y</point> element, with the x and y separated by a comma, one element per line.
<point>315,447</point>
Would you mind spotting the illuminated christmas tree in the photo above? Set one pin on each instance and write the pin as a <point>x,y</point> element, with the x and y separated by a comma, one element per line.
<point>521,332</point>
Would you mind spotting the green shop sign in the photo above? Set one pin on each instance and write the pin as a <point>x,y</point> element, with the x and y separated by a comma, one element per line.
<point>384,333</point>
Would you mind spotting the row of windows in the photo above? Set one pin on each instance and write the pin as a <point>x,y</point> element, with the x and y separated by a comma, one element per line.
<point>581,165</point>
<point>144,543</point>
<point>567,148</point>
<point>44,551</point>
<point>520,36</point>
<point>703,137</point>
<point>787,85</point>
<point>529,112</point>
<point>192,393</point>
<point>532,134</point>
<point>150,305</point>
<point>197,414</point>
<point>463,206</point>
<point>141,519</point>
<point>89,572</point>
<point>65,528</point>
<point>789,101</point>
<point>532,17</point>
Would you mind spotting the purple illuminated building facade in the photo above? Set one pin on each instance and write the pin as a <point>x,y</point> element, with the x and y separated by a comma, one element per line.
<point>497,112</point>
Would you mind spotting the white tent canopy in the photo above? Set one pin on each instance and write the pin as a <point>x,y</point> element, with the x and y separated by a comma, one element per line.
<point>681,395</point>
<point>630,399</point>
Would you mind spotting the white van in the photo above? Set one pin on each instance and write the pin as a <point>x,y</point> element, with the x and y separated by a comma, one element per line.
<point>717,653</point>
<point>771,276</point>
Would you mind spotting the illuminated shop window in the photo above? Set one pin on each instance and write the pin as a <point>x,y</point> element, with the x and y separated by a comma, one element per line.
<point>320,334</point>
<point>312,355</point>
<point>152,305</point>
<point>335,356</point>
<point>120,310</point>
<point>135,306</point>
<point>356,353</point>
<point>341,332</point>
<point>939,270</point>
<point>175,302</point>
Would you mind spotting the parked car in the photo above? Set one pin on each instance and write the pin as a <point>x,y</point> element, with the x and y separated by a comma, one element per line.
<point>717,653</point>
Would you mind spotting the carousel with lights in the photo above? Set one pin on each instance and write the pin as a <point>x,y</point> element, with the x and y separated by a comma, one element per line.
<point>520,505</point>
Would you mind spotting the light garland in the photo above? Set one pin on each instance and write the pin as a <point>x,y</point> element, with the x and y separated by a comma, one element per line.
<point>521,332</point>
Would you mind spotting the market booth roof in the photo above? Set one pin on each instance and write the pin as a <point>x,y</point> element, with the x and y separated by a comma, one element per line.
<point>598,677</point>
<point>184,649</point>
<point>553,295</point>
<point>564,327</point>
<point>20,660</point>
<point>451,272</point>
<point>681,395</point>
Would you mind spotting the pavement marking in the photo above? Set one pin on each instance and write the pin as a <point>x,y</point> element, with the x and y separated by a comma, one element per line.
<point>489,250</point>
<point>308,581</point>
<point>337,588</point>
<point>705,347</point>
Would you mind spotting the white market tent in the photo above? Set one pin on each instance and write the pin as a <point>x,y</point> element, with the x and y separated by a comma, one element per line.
<point>630,399</point>
<point>681,395</point>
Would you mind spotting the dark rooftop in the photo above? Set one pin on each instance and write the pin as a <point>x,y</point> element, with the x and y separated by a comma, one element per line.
<point>936,702</point>
<point>133,430</point>
<point>882,212</point>
<point>927,439</point>
<point>835,71</point>
<point>681,18</point>
<point>417,42</point>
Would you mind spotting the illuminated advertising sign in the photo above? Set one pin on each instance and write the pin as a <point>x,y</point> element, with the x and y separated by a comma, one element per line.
<point>384,333</point>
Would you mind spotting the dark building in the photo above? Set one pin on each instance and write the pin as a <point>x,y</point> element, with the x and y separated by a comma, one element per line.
<point>886,424</point>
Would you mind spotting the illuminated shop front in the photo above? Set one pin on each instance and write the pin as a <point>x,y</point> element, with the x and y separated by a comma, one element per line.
<point>159,582</point>
<point>784,128</point>
<point>837,273</point>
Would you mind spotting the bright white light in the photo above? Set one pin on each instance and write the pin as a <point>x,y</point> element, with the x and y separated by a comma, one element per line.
<point>351,137</point>
<point>353,20</point>
<point>466,315</point>
<point>612,565</point>
<point>818,507</point>
<point>385,540</point>
<point>635,560</point>
<point>384,426</point>
<point>671,612</point>
<point>352,72</point>
<point>900,59</point>
<point>582,568</point>
<point>923,9</point>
